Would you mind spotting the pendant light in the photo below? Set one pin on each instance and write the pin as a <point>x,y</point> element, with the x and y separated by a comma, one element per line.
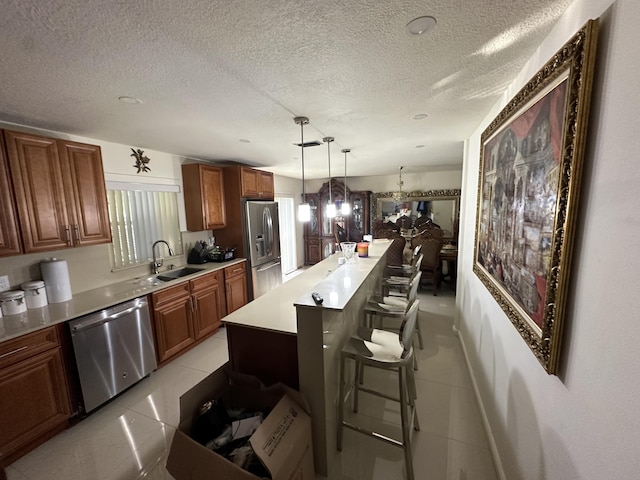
<point>331,207</point>
<point>345,209</point>
<point>304,209</point>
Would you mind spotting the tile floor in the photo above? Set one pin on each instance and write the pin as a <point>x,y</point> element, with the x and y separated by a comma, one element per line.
<point>129,437</point>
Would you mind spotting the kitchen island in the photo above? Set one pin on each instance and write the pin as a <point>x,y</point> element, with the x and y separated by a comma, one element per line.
<point>285,336</point>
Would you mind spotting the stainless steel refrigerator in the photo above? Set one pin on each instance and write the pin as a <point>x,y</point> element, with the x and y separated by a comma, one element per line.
<point>262,242</point>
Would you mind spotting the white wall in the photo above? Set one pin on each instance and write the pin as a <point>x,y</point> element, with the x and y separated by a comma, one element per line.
<point>583,423</point>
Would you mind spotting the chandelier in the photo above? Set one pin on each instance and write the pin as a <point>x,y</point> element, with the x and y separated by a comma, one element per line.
<point>399,196</point>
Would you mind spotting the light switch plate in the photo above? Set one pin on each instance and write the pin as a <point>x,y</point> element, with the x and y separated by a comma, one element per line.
<point>4,283</point>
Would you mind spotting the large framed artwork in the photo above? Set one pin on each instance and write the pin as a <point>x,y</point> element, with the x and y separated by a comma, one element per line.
<point>528,188</point>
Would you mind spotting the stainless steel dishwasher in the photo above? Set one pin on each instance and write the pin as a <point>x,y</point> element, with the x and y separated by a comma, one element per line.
<point>113,349</point>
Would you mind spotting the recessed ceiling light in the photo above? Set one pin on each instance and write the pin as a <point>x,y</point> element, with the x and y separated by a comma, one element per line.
<point>420,116</point>
<point>126,99</point>
<point>244,140</point>
<point>420,25</point>
<point>419,146</point>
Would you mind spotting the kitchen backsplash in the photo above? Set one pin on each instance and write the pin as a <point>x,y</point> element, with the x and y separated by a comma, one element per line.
<point>89,267</point>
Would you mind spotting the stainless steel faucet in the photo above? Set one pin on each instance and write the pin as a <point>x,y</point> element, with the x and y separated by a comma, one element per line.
<point>157,263</point>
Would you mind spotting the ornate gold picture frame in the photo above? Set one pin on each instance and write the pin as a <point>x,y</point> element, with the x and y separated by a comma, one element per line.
<point>530,168</point>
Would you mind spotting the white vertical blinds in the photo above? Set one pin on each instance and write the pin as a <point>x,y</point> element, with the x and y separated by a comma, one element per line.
<point>139,218</point>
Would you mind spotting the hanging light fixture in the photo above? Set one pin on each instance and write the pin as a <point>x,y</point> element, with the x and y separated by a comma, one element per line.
<point>399,196</point>
<point>304,209</point>
<point>345,208</point>
<point>331,207</point>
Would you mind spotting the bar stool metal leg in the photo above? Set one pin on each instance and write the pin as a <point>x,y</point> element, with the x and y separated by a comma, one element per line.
<point>420,342</point>
<point>356,384</point>
<point>411,387</point>
<point>341,401</point>
<point>406,442</point>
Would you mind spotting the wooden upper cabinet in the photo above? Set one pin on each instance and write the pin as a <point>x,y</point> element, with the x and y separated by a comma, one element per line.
<point>87,193</point>
<point>60,192</point>
<point>256,183</point>
<point>204,197</point>
<point>40,200</point>
<point>9,238</point>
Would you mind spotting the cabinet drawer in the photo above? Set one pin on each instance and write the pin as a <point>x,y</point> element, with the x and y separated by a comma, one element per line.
<point>205,281</point>
<point>26,346</point>
<point>170,294</point>
<point>234,270</point>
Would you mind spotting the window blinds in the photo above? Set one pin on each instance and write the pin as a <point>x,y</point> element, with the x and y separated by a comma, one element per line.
<point>139,218</point>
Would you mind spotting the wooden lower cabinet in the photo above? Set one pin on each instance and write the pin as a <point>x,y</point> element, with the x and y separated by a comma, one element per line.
<point>172,314</point>
<point>34,399</point>
<point>235,285</point>
<point>208,303</point>
<point>186,313</point>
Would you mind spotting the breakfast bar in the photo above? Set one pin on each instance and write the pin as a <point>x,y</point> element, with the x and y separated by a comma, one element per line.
<point>286,336</point>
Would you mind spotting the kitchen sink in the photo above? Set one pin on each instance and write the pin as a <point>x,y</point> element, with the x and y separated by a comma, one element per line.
<point>181,272</point>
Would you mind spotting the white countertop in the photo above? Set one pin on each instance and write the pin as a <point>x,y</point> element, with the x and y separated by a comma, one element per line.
<point>90,301</point>
<point>276,310</point>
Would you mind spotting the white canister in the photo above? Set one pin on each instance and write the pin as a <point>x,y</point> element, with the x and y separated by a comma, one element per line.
<point>35,294</point>
<point>12,302</point>
<point>55,274</point>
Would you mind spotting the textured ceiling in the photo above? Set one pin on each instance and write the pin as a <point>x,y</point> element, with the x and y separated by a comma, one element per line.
<point>212,72</point>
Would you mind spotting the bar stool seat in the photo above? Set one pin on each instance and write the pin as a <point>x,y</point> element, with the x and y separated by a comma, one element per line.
<point>389,351</point>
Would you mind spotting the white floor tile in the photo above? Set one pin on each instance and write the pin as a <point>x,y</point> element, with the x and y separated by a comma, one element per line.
<point>157,397</point>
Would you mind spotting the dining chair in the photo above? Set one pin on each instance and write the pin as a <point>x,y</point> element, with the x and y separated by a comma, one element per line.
<point>388,351</point>
<point>431,246</point>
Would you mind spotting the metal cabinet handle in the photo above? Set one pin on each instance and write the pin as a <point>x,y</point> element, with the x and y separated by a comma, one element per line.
<point>13,352</point>
<point>76,227</point>
<point>67,229</point>
<point>193,304</point>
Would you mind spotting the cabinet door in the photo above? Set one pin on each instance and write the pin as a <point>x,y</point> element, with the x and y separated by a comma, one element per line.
<point>360,214</point>
<point>204,197</point>
<point>207,302</point>
<point>328,247</point>
<point>39,190</point>
<point>313,251</point>
<point>9,239</point>
<point>213,199</point>
<point>173,321</point>
<point>312,228</point>
<point>34,400</point>
<point>249,182</point>
<point>87,196</point>
<point>207,311</point>
<point>265,185</point>
<point>235,287</point>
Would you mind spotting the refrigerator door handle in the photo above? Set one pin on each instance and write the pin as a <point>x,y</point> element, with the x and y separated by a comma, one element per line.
<point>263,269</point>
<point>267,222</point>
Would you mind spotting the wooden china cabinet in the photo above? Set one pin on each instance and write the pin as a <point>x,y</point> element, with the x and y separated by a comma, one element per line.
<point>319,235</point>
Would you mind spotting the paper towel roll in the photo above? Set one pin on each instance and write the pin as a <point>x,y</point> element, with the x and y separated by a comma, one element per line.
<point>55,274</point>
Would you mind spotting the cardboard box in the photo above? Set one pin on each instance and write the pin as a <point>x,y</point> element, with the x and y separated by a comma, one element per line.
<point>282,441</point>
